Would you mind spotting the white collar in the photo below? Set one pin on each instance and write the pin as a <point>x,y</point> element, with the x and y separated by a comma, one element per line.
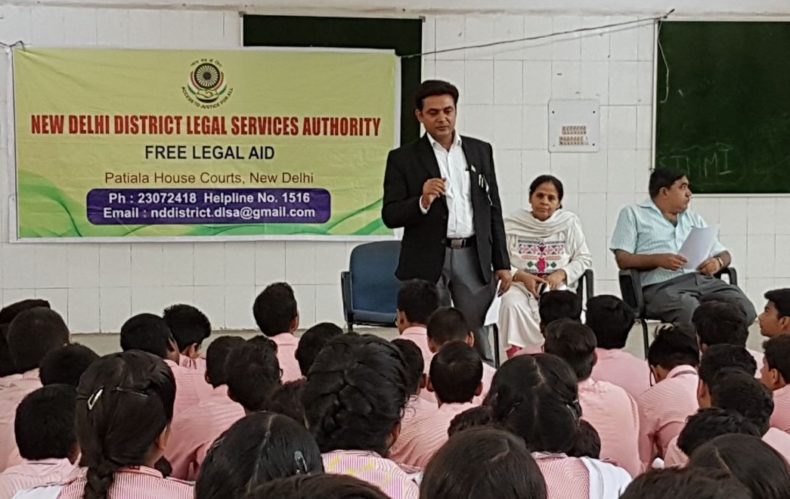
<point>456,140</point>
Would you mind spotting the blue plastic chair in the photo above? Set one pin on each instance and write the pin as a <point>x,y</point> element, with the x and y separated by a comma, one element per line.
<point>370,288</point>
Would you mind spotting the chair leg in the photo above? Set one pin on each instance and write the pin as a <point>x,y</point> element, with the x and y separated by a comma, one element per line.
<point>645,336</point>
<point>350,327</point>
<point>496,345</point>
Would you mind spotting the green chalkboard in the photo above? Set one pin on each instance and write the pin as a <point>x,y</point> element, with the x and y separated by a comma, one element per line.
<point>723,105</point>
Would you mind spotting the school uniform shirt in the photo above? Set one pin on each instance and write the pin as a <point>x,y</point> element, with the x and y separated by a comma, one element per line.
<point>417,409</point>
<point>198,363</point>
<point>13,389</point>
<point>131,483</point>
<point>781,415</point>
<point>663,410</point>
<point>425,435</point>
<point>372,468</point>
<point>419,336</point>
<point>191,388</point>
<point>777,439</point>
<point>286,356</point>
<point>614,414</point>
<point>31,474</point>
<point>192,435</point>
<point>622,369</point>
<point>572,477</point>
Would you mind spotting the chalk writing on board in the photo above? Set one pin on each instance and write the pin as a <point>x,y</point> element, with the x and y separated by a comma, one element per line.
<point>709,163</point>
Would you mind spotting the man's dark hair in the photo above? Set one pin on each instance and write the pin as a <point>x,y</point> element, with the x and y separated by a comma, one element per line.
<point>777,355</point>
<point>146,332</point>
<point>720,357</point>
<point>418,299</point>
<point>253,373</point>
<point>414,363</point>
<point>674,346</point>
<point>447,324</point>
<point>9,312</point>
<point>429,88</point>
<point>685,483</point>
<point>559,305</point>
<point>44,423</point>
<point>275,308</point>
<point>663,178</point>
<point>708,424</point>
<point>65,365</point>
<point>456,371</point>
<point>217,357</point>
<point>33,334</point>
<point>312,341</point>
<point>588,442</point>
<point>718,322</point>
<point>610,319</point>
<point>734,390</point>
<point>781,300</point>
<point>187,324</point>
<point>574,343</point>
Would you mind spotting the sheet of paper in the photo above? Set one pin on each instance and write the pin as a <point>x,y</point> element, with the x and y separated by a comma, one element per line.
<point>698,245</point>
<point>492,316</point>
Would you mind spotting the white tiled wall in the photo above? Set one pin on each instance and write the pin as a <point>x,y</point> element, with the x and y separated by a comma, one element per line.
<point>504,93</point>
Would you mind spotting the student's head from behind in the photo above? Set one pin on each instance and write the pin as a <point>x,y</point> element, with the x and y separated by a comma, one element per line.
<point>149,333</point>
<point>670,190</point>
<point>435,103</point>
<point>312,341</point>
<point>355,394</point>
<point>456,372</point>
<point>217,359</point>
<point>287,400</point>
<point>33,334</point>
<point>685,483</point>
<point>275,310</point>
<point>448,324</point>
<point>775,371</point>
<point>417,300</point>
<point>470,418</point>
<point>44,424</point>
<point>65,365</point>
<point>673,346</point>
<point>9,312</point>
<point>545,196</point>
<point>414,363</point>
<point>610,319</point>
<point>574,343</point>
<point>253,373</point>
<point>536,397</point>
<point>718,322</point>
<point>737,391</point>
<point>189,327</point>
<point>325,486</point>
<point>123,414</point>
<point>747,459</point>
<point>557,304</point>
<point>710,423</point>
<point>508,468</point>
<point>718,358</point>
<point>775,317</point>
<point>588,442</point>
<point>257,449</point>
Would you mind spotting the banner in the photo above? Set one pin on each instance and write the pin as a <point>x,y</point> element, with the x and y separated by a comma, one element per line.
<point>137,144</point>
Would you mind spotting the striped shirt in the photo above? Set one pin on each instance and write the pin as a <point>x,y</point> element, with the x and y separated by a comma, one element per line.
<point>198,363</point>
<point>417,409</point>
<point>419,441</point>
<point>13,389</point>
<point>374,469</point>
<point>33,474</point>
<point>132,483</point>
<point>191,388</point>
<point>643,230</point>
<point>419,336</point>
<point>566,477</point>
<point>488,377</point>
<point>663,410</point>
<point>781,415</point>
<point>286,356</point>
<point>622,369</point>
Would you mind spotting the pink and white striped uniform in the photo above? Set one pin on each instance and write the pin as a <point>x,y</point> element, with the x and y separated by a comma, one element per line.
<point>488,377</point>
<point>781,416</point>
<point>374,469</point>
<point>622,369</point>
<point>286,356</point>
<point>13,389</point>
<point>419,336</point>
<point>425,435</point>
<point>566,477</point>
<point>198,363</point>
<point>416,410</point>
<point>191,388</point>
<point>132,483</point>
<point>31,474</point>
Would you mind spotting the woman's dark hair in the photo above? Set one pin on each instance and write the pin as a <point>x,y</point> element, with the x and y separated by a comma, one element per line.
<point>749,460</point>
<point>543,179</point>
<point>327,486</point>
<point>536,397</point>
<point>509,469</point>
<point>683,483</point>
<point>287,400</point>
<point>470,418</point>
<point>124,403</point>
<point>662,178</point>
<point>355,394</point>
<point>256,449</point>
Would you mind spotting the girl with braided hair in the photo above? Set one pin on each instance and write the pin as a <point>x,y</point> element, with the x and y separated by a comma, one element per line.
<point>354,398</point>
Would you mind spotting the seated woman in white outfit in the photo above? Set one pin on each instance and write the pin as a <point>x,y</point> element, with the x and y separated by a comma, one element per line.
<point>547,251</point>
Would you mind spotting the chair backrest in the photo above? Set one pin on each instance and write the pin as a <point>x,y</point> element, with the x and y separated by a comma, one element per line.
<point>373,281</point>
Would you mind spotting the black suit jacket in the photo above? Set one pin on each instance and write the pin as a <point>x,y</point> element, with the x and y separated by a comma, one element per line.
<point>424,238</point>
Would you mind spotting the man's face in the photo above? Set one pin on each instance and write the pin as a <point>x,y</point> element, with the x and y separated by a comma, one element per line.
<point>771,324</point>
<point>678,195</point>
<point>438,116</point>
<point>768,375</point>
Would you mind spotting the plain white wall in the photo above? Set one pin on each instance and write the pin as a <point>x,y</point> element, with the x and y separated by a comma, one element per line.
<point>504,92</point>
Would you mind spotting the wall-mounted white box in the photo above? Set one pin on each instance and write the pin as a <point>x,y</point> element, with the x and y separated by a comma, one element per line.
<point>574,125</point>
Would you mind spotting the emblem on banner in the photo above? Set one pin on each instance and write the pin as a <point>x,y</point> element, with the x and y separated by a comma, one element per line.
<point>206,86</point>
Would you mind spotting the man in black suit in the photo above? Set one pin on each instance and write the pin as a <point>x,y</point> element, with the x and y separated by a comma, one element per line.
<point>442,190</point>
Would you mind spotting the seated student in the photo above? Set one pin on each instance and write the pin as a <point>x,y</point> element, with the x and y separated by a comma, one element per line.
<point>7,314</point>
<point>149,333</point>
<point>65,365</point>
<point>775,374</point>
<point>312,341</point>
<point>287,400</point>
<point>536,398</point>
<point>775,318</point>
<point>502,458</point>
<point>417,300</point>
<point>587,443</point>
<point>193,432</point>
<point>673,358</point>
<point>747,459</point>
<point>685,484</point>
<point>455,376</point>
<point>353,400</point>
<point>277,317</point>
<point>555,305</point>
<point>609,408</point>
<point>448,324</point>
<point>31,336</point>
<point>611,321</point>
<point>256,449</point>
<point>189,327</point>
<point>253,373</point>
<point>325,486</point>
<point>719,322</point>
<point>470,418</point>
<point>44,430</point>
<point>648,237</point>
